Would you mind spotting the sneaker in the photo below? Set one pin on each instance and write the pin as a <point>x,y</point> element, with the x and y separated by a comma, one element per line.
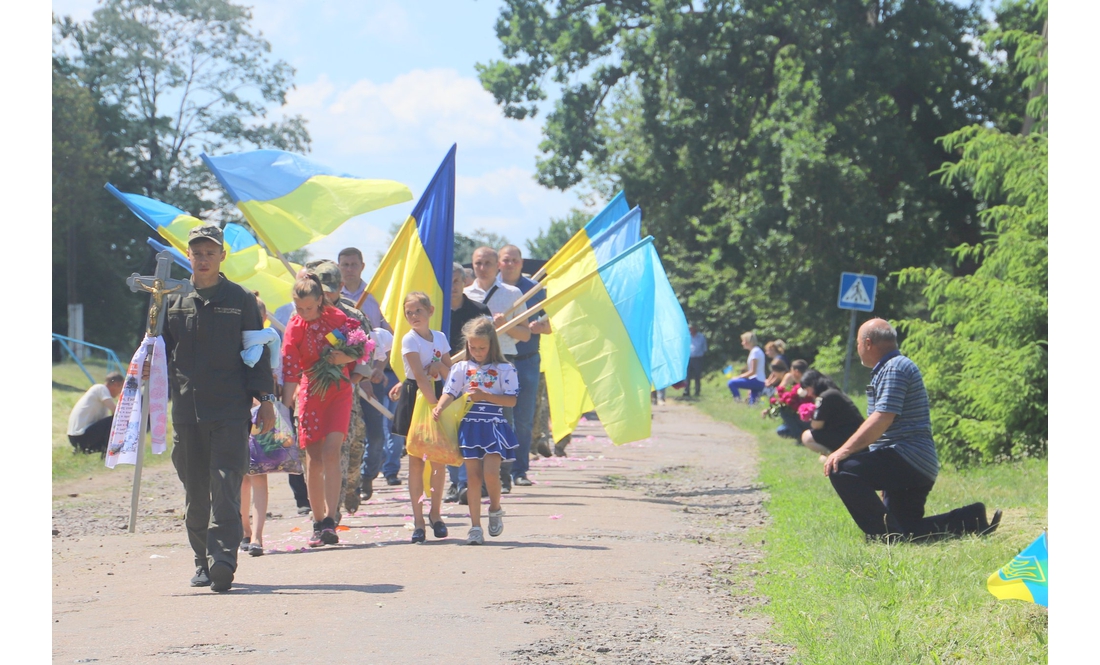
<point>393,481</point>
<point>439,529</point>
<point>419,535</point>
<point>202,577</point>
<point>221,577</point>
<point>462,489</point>
<point>315,540</point>
<point>505,486</point>
<point>451,495</point>
<point>255,549</point>
<point>475,536</point>
<point>496,522</point>
<point>522,481</point>
<point>244,543</point>
<point>303,510</point>
<point>328,532</point>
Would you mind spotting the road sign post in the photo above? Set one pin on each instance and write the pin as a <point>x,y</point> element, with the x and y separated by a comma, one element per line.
<point>857,293</point>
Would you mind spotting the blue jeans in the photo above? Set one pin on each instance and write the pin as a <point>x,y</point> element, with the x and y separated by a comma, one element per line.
<point>792,426</point>
<point>524,411</point>
<point>395,443</point>
<point>372,451</point>
<point>754,386</point>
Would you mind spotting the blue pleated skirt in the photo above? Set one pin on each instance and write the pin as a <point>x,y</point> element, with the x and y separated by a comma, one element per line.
<point>485,430</point>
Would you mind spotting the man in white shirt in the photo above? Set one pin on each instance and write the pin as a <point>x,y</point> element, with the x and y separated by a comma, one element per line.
<point>90,420</point>
<point>350,260</point>
<point>499,298</point>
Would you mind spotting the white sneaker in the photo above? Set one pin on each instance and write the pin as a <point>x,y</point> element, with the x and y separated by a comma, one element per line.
<point>496,522</point>
<point>475,537</point>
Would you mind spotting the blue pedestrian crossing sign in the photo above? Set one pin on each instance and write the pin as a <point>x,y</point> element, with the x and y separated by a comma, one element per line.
<point>857,292</point>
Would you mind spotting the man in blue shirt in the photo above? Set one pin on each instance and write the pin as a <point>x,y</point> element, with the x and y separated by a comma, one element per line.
<point>893,452</point>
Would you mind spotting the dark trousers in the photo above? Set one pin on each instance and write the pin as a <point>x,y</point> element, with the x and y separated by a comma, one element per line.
<point>904,492</point>
<point>211,458</point>
<point>94,439</point>
<point>695,373</point>
<point>298,487</point>
<point>371,463</point>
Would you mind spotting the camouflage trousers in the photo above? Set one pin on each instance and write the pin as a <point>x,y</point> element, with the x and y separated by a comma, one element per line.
<point>351,452</point>
<point>541,432</point>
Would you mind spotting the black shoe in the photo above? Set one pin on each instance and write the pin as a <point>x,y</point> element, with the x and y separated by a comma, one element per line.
<point>366,492</point>
<point>462,489</point>
<point>439,529</point>
<point>393,480</point>
<point>221,577</point>
<point>505,485</point>
<point>328,532</point>
<point>419,535</point>
<point>543,449</point>
<point>522,481</point>
<point>451,495</point>
<point>202,577</point>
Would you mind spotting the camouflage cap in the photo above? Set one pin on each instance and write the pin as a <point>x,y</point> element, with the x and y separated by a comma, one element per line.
<point>329,274</point>
<point>205,232</point>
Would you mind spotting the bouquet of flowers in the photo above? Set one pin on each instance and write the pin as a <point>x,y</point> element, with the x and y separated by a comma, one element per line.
<point>353,342</point>
<point>806,411</point>
<point>791,399</point>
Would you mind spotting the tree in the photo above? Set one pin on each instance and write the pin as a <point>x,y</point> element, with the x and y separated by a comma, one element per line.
<point>771,145</point>
<point>464,245</point>
<point>983,351</point>
<point>548,242</point>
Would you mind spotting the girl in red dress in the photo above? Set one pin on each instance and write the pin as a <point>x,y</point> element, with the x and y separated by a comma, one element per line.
<point>322,419</point>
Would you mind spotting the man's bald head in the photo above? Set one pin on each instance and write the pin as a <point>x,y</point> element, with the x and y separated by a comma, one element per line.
<point>876,338</point>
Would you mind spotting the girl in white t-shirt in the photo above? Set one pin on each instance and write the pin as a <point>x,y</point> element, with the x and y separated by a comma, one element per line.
<point>484,436</point>
<point>753,376</point>
<point>426,355</point>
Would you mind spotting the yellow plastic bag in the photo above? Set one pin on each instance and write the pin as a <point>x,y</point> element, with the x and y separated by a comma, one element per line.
<point>436,440</point>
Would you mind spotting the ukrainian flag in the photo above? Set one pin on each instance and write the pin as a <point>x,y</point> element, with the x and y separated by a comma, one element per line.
<point>420,259</point>
<point>1025,577</point>
<point>292,201</point>
<point>246,262</point>
<point>591,330</point>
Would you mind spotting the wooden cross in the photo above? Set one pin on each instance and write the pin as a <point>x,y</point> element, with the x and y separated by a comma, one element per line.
<point>157,286</point>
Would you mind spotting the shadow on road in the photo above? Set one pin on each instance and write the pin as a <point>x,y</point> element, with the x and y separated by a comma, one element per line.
<point>298,589</point>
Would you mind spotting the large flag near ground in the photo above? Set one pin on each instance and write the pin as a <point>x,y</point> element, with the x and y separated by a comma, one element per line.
<point>420,259</point>
<point>591,329</point>
<point>246,262</point>
<point>291,200</point>
<point>1025,577</point>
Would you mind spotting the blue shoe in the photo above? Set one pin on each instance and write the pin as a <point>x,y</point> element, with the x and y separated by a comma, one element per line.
<point>439,529</point>
<point>419,535</point>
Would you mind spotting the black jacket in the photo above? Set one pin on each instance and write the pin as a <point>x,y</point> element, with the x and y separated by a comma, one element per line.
<point>203,342</point>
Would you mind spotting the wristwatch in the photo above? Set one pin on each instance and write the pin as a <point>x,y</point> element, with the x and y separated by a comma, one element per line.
<point>270,397</point>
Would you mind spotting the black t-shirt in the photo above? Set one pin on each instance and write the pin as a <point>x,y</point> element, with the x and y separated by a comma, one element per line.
<point>841,416</point>
<point>470,309</point>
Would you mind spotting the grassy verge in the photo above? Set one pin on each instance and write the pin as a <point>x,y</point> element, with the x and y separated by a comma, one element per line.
<point>840,600</point>
<point>69,384</point>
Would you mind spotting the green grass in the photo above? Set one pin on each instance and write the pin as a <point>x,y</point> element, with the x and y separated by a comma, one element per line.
<point>840,600</point>
<point>69,384</point>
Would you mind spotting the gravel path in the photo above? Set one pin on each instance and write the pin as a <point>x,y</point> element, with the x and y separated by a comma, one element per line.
<point>618,555</point>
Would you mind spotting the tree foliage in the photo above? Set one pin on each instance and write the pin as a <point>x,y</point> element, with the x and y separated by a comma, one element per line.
<point>550,240</point>
<point>983,350</point>
<point>771,145</point>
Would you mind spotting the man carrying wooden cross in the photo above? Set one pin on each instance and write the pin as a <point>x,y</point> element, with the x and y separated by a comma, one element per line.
<point>212,393</point>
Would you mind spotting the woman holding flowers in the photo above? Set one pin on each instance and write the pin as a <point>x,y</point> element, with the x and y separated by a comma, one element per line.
<point>320,347</point>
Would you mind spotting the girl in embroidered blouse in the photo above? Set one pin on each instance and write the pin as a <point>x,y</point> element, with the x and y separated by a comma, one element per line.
<point>484,436</point>
<point>427,356</point>
<point>322,419</point>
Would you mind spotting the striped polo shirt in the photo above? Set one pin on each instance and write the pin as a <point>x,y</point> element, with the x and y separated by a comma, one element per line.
<point>897,387</point>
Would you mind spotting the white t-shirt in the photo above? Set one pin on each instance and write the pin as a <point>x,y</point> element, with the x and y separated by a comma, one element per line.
<point>503,298</point>
<point>429,351</point>
<point>96,404</point>
<point>383,343</point>
<point>494,378</point>
<point>761,363</point>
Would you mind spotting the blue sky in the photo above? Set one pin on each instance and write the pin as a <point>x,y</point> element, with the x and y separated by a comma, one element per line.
<point>387,87</point>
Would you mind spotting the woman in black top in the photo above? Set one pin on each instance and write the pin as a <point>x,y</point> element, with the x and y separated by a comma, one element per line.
<point>836,417</point>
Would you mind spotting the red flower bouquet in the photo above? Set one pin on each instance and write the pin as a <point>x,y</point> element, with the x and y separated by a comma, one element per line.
<point>352,342</point>
<point>788,399</point>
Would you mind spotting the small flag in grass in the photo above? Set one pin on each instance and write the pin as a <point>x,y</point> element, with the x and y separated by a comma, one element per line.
<point>1025,577</point>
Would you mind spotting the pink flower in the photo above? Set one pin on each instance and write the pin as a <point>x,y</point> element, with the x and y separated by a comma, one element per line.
<point>806,411</point>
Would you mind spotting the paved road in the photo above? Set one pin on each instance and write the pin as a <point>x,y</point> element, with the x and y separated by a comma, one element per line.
<point>618,555</point>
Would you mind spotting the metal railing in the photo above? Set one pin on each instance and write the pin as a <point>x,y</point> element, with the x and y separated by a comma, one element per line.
<point>112,357</point>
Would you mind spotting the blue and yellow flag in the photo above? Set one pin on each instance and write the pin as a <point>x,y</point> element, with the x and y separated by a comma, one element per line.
<point>246,262</point>
<point>292,201</point>
<point>1025,577</point>
<point>420,259</point>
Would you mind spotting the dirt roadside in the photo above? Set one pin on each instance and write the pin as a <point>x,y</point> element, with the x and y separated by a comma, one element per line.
<point>617,555</point>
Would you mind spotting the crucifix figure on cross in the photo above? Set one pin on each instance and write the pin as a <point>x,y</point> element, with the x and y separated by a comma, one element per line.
<point>158,286</point>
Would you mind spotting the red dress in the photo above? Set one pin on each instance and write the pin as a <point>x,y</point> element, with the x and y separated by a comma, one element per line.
<point>318,415</point>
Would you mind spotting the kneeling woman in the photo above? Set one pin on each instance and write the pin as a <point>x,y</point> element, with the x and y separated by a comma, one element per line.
<point>323,416</point>
<point>836,417</point>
